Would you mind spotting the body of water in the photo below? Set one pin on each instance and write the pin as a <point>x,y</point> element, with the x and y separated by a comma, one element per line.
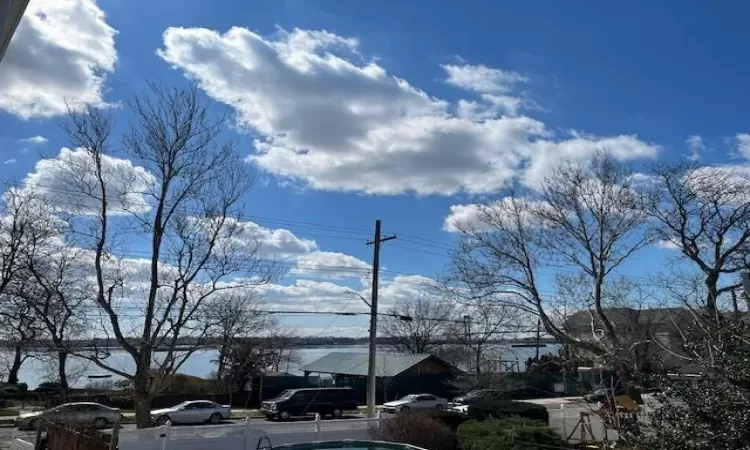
<point>202,364</point>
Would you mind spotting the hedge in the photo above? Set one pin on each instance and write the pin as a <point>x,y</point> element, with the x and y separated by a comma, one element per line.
<point>507,434</point>
<point>499,409</point>
<point>418,430</point>
<point>448,418</point>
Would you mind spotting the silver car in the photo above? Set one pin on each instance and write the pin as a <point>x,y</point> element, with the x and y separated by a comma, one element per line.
<point>416,402</point>
<point>192,412</point>
<point>84,413</point>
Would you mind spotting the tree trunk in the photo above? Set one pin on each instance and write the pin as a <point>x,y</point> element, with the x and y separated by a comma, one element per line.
<point>16,366</point>
<point>62,359</point>
<point>712,281</point>
<point>142,397</point>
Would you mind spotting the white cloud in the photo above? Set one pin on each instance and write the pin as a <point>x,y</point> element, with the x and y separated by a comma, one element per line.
<point>547,155</point>
<point>332,122</point>
<point>482,79</point>
<point>696,145</point>
<point>330,265</point>
<point>9,161</point>
<point>34,140</point>
<point>309,295</point>
<point>743,144</point>
<point>62,51</point>
<point>667,245</point>
<point>478,217</point>
<point>68,180</point>
<point>276,242</point>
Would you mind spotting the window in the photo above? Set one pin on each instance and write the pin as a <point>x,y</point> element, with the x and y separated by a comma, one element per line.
<point>425,398</point>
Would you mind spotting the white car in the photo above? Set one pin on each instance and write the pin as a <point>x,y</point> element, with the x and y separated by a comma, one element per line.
<point>416,402</point>
<point>192,412</point>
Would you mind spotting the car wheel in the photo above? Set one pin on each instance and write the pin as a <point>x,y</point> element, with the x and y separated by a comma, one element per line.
<point>100,422</point>
<point>162,420</point>
<point>34,424</point>
<point>439,407</point>
<point>284,415</point>
<point>215,418</point>
<point>337,413</point>
<point>404,409</point>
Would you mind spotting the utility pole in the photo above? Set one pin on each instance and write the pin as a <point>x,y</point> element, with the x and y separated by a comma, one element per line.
<point>372,363</point>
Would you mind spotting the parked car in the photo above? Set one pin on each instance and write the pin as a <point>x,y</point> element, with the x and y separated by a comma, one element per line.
<point>300,402</point>
<point>601,395</point>
<point>84,413</point>
<point>49,387</point>
<point>478,395</point>
<point>197,411</point>
<point>416,402</point>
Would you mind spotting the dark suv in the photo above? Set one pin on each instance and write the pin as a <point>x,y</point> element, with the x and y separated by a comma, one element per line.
<point>300,402</point>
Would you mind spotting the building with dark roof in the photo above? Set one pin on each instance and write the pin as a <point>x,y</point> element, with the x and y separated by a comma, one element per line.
<point>652,336</point>
<point>398,374</point>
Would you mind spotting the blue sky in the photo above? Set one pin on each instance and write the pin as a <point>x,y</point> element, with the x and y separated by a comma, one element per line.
<point>652,81</point>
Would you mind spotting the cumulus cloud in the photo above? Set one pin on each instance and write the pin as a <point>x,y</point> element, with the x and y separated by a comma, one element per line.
<point>277,242</point>
<point>9,161</point>
<point>482,217</point>
<point>696,145</point>
<point>331,120</point>
<point>62,51</point>
<point>68,181</point>
<point>667,245</point>
<point>482,79</point>
<point>743,144</point>
<point>330,265</point>
<point>312,295</point>
<point>34,140</point>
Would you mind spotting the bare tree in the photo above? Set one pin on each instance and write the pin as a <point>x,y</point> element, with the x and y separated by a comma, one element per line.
<point>283,342</point>
<point>237,315</point>
<point>184,199</point>
<point>56,292</point>
<point>19,328</point>
<point>705,213</point>
<point>26,225</point>
<point>486,321</point>
<point>584,219</point>
<point>425,330</point>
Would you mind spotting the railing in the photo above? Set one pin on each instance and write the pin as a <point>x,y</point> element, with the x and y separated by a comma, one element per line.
<point>244,436</point>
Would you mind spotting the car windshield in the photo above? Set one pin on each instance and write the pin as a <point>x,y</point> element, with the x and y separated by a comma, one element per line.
<point>473,394</point>
<point>409,397</point>
<point>285,395</point>
<point>181,405</point>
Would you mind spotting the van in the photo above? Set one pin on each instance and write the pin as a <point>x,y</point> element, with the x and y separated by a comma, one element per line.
<point>299,402</point>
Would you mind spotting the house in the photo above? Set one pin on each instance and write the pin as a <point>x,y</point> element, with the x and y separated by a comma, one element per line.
<point>398,374</point>
<point>653,336</point>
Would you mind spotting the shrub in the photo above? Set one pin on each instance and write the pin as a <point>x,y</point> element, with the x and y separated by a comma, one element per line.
<point>507,434</point>
<point>499,409</point>
<point>448,418</point>
<point>416,429</point>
